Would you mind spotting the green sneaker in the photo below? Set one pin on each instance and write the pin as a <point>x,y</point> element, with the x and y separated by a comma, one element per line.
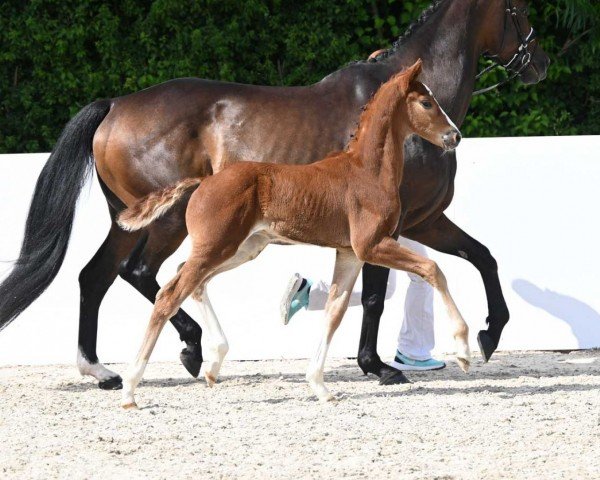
<point>402,362</point>
<point>295,297</point>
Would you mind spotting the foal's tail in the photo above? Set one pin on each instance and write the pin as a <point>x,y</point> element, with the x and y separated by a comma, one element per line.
<point>155,205</point>
<point>51,213</point>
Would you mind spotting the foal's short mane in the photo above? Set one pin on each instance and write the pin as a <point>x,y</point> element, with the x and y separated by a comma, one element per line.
<point>373,107</point>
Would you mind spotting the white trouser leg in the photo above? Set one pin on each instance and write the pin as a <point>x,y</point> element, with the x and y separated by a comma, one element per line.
<point>416,339</point>
<point>319,292</point>
<point>317,297</point>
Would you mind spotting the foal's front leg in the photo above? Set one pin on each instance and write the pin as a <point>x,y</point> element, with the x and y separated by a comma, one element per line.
<point>347,267</point>
<point>388,253</point>
<point>445,236</point>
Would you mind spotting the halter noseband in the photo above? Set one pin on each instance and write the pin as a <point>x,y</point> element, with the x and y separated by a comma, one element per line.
<point>522,57</point>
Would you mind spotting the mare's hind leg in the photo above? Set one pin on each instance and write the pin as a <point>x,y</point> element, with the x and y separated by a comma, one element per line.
<point>347,267</point>
<point>94,281</point>
<point>141,267</point>
<point>168,300</point>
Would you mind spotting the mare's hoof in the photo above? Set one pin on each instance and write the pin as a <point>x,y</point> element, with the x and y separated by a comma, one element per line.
<point>191,362</point>
<point>114,383</point>
<point>387,375</point>
<point>130,406</point>
<point>487,345</point>
<point>393,377</point>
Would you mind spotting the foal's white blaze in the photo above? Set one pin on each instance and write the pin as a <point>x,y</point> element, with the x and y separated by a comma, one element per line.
<point>96,370</point>
<point>448,119</point>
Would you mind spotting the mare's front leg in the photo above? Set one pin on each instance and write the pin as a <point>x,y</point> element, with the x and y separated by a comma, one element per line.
<point>375,280</point>
<point>391,254</point>
<point>446,237</point>
<point>347,267</point>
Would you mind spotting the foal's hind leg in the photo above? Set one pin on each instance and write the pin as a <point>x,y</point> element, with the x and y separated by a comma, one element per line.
<point>94,281</point>
<point>218,346</point>
<point>347,267</point>
<point>140,269</point>
<point>168,300</point>
<point>389,253</point>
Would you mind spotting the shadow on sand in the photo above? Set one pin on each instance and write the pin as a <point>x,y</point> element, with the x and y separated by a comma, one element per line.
<point>451,380</point>
<point>583,320</point>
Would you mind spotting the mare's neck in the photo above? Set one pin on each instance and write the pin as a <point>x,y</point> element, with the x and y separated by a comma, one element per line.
<point>449,44</point>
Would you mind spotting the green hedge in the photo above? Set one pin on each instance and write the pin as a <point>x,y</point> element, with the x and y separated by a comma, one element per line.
<point>58,55</point>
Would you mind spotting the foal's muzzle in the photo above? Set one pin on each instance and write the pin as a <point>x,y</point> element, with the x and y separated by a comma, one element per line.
<point>451,139</point>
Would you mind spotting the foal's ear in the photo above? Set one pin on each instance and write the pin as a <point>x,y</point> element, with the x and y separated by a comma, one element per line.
<point>414,71</point>
<point>410,74</point>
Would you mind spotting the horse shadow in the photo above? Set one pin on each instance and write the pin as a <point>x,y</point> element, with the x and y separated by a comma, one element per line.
<point>421,382</point>
<point>583,320</point>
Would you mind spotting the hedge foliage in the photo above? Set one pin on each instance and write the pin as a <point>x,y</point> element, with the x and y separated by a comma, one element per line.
<point>58,55</point>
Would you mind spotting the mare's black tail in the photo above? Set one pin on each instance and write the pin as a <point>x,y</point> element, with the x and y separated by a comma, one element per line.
<point>51,213</point>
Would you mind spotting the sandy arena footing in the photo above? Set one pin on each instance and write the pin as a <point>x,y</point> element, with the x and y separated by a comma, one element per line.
<point>523,415</point>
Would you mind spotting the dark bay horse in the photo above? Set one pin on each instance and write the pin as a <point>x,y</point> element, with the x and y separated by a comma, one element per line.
<point>189,127</point>
<point>348,201</point>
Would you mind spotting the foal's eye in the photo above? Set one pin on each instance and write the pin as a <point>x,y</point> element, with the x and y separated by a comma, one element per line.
<point>426,104</point>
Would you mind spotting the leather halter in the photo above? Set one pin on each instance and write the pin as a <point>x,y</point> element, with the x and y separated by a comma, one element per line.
<point>522,57</point>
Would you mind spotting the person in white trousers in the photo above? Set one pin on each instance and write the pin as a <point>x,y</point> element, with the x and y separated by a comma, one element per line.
<point>416,338</point>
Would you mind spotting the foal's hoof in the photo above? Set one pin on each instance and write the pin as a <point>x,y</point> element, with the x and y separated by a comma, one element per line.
<point>329,398</point>
<point>464,364</point>
<point>114,383</point>
<point>210,379</point>
<point>487,345</point>
<point>191,360</point>
<point>392,377</point>
<point>130,406</point>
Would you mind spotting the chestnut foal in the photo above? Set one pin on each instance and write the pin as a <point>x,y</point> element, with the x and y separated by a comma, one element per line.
<point>348,201</point>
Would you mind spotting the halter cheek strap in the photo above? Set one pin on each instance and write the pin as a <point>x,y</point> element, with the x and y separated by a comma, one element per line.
<point>520,60</point>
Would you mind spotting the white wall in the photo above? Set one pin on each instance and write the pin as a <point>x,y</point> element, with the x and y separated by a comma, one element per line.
<point>532,201</point>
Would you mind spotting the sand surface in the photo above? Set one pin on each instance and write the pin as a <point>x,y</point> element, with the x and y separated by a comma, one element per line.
<point>523,415</point>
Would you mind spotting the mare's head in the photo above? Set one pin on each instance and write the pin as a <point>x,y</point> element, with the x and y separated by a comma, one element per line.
<point>420,112</point>
<point>509,39</point>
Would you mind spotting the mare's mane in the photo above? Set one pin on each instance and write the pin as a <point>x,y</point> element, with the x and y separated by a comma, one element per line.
<point>409,32</point>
